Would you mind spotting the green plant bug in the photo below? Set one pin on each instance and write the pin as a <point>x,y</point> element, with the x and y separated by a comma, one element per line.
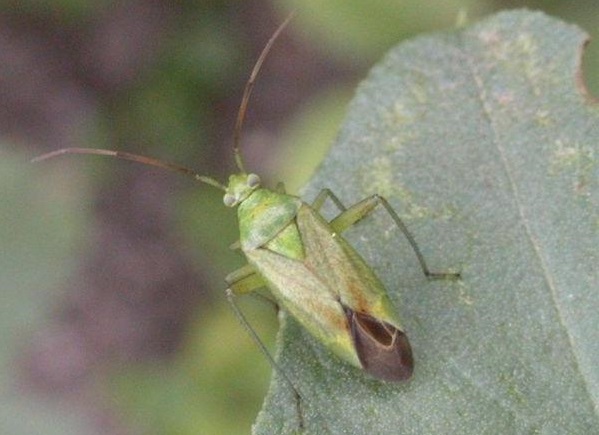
<point>310,270</point>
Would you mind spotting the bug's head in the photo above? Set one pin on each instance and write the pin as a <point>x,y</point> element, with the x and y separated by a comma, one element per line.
<point>240,187</point>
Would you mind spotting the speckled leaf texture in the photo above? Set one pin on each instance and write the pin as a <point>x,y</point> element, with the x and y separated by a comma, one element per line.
<point>485,142</point>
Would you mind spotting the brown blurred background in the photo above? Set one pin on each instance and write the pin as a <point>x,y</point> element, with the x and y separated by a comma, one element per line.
<point>113,315</point>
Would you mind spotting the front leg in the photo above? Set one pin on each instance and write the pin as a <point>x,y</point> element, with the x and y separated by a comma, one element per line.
<point>244,280</point>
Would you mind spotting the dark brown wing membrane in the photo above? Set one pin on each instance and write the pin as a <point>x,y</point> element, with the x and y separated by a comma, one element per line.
<point>383,350</point>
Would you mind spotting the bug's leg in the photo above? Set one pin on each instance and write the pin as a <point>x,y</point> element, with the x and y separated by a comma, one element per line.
<point>322,197</point>
<point>243,275</point>
<point>246,325</point>
<point>244,280</point>
<point>235,246</point>
<point>363,208</point>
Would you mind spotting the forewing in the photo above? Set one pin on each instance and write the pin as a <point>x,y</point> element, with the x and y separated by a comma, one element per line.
<point>335,262</point>
<point>307,298</point>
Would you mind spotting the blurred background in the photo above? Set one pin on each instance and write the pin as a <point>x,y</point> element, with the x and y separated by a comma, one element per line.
<point>112,312</point>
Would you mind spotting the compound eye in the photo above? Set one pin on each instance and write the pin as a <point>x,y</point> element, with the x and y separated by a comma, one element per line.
<point>253,180</point>
<point>229,200</point>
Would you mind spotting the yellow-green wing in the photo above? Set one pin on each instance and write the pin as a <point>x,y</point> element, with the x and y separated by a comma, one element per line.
<point>338,264</point>
<point>315,290</point>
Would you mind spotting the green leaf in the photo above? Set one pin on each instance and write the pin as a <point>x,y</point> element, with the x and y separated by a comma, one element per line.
<point>485,142</point>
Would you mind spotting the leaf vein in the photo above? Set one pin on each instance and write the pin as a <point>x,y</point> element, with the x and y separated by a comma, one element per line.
<point>534,243</point>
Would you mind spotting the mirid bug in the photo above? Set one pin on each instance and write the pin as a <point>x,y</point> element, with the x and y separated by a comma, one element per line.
<point>301,258</point>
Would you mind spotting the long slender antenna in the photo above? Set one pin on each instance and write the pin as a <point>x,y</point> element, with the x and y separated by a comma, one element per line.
<point>135,158</point>
<point>248,91</point>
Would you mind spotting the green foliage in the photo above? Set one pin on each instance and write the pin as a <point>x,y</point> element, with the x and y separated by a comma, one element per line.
<point>315,125</point>
<point>198,393</point>
<point>366,30</point>
<point>485,142</point>
<point>39,231</point>
<point>481,141</point>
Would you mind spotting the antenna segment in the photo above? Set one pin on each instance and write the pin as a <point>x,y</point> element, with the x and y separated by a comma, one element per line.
<point>249,86</point>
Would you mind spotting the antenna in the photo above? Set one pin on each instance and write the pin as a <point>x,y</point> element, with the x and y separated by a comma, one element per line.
<point>247,92</point>
<point>134,158</point>
<point>178,168</point>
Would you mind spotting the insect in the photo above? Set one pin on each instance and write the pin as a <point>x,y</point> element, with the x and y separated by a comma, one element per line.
<point>311,271</point>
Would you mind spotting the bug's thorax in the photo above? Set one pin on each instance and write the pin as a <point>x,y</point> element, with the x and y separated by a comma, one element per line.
<point>267,217</point>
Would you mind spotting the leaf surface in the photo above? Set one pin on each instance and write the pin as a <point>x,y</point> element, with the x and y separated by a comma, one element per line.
<point>485,142</point>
